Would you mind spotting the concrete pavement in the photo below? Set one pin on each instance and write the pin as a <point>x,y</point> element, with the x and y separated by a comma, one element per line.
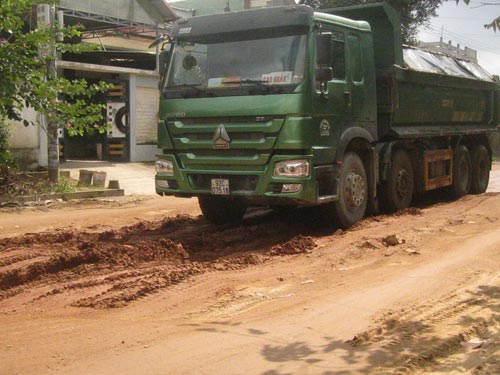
<point>134,178</point>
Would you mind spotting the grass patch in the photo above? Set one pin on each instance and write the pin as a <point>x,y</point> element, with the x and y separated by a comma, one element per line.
<point>15,184</point>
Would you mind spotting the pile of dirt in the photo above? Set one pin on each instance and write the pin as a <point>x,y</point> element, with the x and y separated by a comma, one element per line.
<point>297,245</point>
<point>114,267</point>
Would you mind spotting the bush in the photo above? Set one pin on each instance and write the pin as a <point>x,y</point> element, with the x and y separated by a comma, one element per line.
<point>6,157</point>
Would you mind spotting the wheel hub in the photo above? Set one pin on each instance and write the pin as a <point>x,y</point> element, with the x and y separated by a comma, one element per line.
<point>355,189</point>
<point>403,187</point>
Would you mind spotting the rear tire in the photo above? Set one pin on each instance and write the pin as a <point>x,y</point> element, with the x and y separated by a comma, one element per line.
<point>480,158</point>
<point>219,210</point>
<point>462,172</point>
<point>353,193</point>
<point>398,189</point>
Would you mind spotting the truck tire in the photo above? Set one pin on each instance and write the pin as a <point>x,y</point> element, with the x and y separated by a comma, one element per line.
<point>353,193</point>
<point>398,189</point>
<point>220,210</point>
<point>462,172</point>
<point>480,159</point>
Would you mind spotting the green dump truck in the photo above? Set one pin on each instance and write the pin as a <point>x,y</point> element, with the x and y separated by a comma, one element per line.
<point>286,106</point>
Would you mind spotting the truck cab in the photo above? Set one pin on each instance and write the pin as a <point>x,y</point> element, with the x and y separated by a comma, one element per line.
<point>256,105</point>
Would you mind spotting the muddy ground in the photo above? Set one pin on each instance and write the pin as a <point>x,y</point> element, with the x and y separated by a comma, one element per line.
<point>146,286</point>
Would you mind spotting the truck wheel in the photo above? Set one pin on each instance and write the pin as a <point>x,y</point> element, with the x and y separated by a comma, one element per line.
<point>480,159</point>
<point>353,193</point>
<point>219,210</point>
<point>398,189</point>
<point>462,172</point>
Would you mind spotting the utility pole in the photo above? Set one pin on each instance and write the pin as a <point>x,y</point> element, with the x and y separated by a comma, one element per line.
<point>46,18</point>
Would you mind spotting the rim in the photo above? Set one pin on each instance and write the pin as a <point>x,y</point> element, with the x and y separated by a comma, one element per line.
<point>403,184</point>
<point>463,173</point>
<point>355,190</point>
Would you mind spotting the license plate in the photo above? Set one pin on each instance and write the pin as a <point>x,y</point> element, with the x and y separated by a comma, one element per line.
<point>220,186</point>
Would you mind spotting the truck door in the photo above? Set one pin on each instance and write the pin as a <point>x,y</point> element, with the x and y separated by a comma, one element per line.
<point>361,78</point>
<point>333,107</point>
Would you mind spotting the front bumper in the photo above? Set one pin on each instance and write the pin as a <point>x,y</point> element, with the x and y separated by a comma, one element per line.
<point>255,184</point>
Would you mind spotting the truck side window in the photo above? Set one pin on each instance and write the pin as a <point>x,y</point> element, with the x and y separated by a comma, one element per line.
<point>356,58</point>
<point>338,56</point>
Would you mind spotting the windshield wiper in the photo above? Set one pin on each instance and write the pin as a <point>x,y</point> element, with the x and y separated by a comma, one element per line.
<point>191,86</point>
<point>259,83</point>
<point>192,89</point>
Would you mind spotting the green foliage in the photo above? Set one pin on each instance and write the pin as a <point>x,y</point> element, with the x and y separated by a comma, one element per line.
<point>25,57</point>
<point>64,185</point>
<point>414,13</point>
<point>6,158</point>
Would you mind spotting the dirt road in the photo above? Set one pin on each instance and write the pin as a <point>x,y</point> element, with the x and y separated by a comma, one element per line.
<point>136,288</point>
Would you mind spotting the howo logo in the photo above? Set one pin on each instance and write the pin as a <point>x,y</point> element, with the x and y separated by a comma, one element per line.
<point>221,139</point>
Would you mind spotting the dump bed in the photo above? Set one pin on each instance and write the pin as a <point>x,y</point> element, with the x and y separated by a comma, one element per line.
<point>434,94</point>
<point>420,93</point>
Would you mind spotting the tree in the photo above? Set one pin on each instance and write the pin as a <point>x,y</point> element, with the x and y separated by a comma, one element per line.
<point>26,60</point>
<point>414,13</point>
<point>495,24</point>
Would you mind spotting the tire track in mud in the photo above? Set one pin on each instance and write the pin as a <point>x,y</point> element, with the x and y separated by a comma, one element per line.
<point>427,336</point>
<point>114,268</point>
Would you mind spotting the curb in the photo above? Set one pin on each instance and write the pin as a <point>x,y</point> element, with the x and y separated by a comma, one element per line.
<point>66,196</point>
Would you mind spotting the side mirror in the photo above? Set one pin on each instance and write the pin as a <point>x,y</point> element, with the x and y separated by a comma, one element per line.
<point>324,74</point>
<point>163,62</point>
<point>324,52</point>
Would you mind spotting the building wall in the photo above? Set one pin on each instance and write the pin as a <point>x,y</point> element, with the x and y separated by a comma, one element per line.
<point>147,104</point>
<point>449,49</point>
<point>24,141</point>
<point>204,7</point>
<point>144,106</point>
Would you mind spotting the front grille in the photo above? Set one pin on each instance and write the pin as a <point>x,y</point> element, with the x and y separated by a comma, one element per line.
<point>223,120</point>
<point>236,182</point>
<point>247,136</point>
<point>251,141</point>
<point>224,152</point>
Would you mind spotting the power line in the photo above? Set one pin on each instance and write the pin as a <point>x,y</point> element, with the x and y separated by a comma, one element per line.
<point>470,44</point>
<point>463,18</point>
<point>460,38</point>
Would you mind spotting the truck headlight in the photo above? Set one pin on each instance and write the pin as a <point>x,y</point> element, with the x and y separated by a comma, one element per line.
<point>164,167</point>
<point>292,168</point>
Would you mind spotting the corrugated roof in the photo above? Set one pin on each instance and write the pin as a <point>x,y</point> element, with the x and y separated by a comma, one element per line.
<point>425,61</point>
<point>146,12</point>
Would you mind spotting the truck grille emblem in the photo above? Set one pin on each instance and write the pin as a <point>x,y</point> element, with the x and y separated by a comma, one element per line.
<point>221,139</point>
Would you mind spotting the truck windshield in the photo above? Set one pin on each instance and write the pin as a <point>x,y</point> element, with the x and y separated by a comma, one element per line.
<point>247,67</point>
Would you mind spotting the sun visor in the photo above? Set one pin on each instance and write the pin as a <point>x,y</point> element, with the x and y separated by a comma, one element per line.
<point>249,24</point>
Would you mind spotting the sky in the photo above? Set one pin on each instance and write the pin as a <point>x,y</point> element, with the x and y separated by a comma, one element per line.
<point>465,25</point>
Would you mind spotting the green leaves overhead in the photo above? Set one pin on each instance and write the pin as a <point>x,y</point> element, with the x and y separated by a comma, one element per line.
<point>414,13</point>
<point>25,54</point>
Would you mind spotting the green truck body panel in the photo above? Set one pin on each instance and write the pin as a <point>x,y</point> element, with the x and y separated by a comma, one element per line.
<point>423,104</point>
<point>376,100</point>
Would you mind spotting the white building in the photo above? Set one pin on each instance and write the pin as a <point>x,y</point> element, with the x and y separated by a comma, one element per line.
<point>467,54</point>
<point>124,29</point>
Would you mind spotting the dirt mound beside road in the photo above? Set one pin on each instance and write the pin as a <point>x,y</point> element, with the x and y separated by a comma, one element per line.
<point>114,267</point>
